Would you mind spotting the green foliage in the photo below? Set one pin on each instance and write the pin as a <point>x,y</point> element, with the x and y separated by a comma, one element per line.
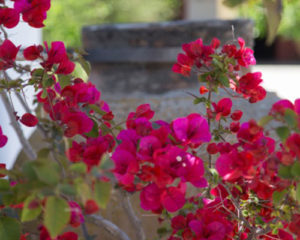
<point>66,18</point>
<point>57,215</point>
<point>10,229</point>
<point>290,17</point>
<point>102,193</point>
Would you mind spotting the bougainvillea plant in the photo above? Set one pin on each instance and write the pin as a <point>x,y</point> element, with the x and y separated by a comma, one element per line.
<point>245,188</point>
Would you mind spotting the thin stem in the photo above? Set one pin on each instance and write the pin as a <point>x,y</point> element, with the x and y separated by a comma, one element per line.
<point>109,227</point>
<point>135,221</point>
<point>25,143</point>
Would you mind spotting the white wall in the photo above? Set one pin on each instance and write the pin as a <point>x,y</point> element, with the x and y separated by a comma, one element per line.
<point>25,36</point>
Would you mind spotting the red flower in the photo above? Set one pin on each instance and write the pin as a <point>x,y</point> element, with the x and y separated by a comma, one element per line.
<point>236,115</point>
<point>29,120</point>
<point>293,143</point>
<point>8,54</point>
<point>9,17</point>
<point>222,108</point>
<point>183,65</point>
<point>32,52</point>
<point>91,207</point>
<point>191,129</point>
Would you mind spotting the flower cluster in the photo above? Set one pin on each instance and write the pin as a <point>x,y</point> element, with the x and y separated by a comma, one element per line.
<point>34,12</point>
<point>152,155</point>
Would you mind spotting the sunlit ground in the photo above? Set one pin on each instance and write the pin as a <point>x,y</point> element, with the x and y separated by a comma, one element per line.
<point>282,79</point>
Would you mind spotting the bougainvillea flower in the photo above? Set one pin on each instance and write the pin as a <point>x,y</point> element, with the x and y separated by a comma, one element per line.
<point>249,86</point>
<point>9,17</point>
<point>183,65</point>
<point>65,67</point>
<point>280,106</point>
<point>32,52</point>
<point>8,54</point>
<point>126,166</point>
<point>142,111</point>
<point>34,11</point>
<point>297,106</point>
<point>44,235</point>
<point>294,225</point>
<point>263,189</point>
<point>244,56</point>
<point>91,207</point>
<point>173,199</point>
<point>293,143</point>
<point>191,129</point>
<point>76,217</point>
<point>222,108</point>
<point>236,115</point>
<point>76,123</point>
<point>150,198</point>
<point>3,138</point>
<point>235,164</point>
<point>29,120</point>
<point>203,90</point>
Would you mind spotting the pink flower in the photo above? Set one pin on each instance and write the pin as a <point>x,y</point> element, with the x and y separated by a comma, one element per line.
<point>3,138</point>
<point>126,165</point>
<point>192,129</point>
<point>173,198</point>
<point>150,198</point>
<point>76,217</point>
<point>280,106</point>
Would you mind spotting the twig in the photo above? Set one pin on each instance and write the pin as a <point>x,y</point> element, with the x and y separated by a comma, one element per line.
<point>135,221</point>
<point>25,143</point>
<point>109,227</point>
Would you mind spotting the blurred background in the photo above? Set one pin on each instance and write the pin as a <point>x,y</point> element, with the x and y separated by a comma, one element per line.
<point>67,17</point>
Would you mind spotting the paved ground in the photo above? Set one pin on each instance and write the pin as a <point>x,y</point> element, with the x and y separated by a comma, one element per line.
<point>282,79</point>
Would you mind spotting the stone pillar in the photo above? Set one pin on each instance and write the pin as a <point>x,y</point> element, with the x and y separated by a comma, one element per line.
<point>207,9</point>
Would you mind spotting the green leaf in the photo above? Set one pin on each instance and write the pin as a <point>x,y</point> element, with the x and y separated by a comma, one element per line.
<point>265,120</point>
<point>94,132</point>
<point>85,65</point>
<point>283,133</point>
<point>223,79</point>
<point>47,81</point>
<point>97,109</point>
<point>298,192</point>
<point>83,189</point>
<point>296,169</point>
<point>278,196</point>
<point>78,167</point>
<point>285,172</point>
<point>199,100</point>
<point>47,172</point>
<point>10,229</point>
<point>30,213</point>
<point>43,153</point>
<point>64,80</point>
<point>56,216</point>
<point>291,118</point>
<point>67,189</point>
<point>102,193</point>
